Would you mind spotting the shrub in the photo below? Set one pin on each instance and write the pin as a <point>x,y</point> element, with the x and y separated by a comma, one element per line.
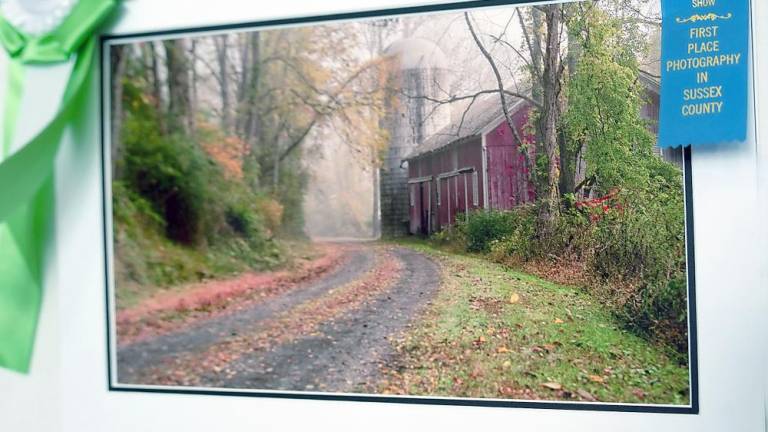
<point>243,221</point>
<point>659,309</point>
<point>272,211</point>
<point>195,188</point>
<point>453,238</point>
<point>643,248</point>
<point>521,242</point>
<point>173,174</point>
<point>485,227</point>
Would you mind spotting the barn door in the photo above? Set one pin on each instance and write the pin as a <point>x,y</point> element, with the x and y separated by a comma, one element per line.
<point>414,196</point>
<point>502,177</point>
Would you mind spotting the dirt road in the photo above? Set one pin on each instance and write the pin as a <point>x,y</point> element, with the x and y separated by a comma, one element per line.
<point>330,333</point>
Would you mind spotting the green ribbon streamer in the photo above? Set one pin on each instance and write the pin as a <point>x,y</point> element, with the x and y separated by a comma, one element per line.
<point>26,175</point>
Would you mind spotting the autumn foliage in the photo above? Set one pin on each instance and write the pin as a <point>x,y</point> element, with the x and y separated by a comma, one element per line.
<point>228,151</point>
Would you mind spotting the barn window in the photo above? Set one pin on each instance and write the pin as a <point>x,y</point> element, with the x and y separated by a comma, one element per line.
<point>437,183</point>
<point>412,194</point>
<point>475,193</point>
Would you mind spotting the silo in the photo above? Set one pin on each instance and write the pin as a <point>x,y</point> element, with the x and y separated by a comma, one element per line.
<point>419,72</point>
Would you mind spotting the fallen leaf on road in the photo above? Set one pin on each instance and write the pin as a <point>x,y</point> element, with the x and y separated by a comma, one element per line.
<point>553,385</point>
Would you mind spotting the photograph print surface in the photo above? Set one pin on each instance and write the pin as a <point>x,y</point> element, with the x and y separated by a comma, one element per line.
<point>454,206</point>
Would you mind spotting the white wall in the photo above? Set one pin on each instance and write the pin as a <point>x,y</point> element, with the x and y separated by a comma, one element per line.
<point>67,387</point>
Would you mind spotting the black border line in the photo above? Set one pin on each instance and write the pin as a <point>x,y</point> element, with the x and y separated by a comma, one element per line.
<point>693,359</point>
<point>693,369</point>
<point>105,236</point>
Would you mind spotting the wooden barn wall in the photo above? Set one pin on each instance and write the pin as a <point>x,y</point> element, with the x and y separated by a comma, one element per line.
<point>509,183</point>
<point>471,155</point>
<point>453,199</point>
<point>452,195</point>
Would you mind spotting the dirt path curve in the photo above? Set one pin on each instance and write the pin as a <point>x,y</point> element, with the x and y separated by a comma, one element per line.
<point>343,355</point>
<point>135,357</point>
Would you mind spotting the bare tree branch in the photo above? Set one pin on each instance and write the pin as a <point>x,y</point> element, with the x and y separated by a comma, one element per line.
<point>502,92</point>
<point>536,68</point>
<point>322,111</point>
<point>474,95</point>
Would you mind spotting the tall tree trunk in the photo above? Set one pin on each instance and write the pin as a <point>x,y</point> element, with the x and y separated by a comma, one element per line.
<point>568,161</point>
<point>242,85</point>
<point>376,32</point>
<point>118,61</point>
<point>179,104</point>
<point>537,52</point>
<point>157,87</point>
<point>193,101</point>
<point>252,120</point>
<point>551,113</point>
<point>533,39</point>
<point>221,57</point>
<point>568,152</point>
<point>276,170</point>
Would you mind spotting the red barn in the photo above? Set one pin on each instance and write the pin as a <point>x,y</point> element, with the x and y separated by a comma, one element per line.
<point>475,162</point>
<point>470,164</point>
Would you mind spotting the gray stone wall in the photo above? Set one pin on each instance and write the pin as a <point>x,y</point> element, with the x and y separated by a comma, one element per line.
<point>394,198</point>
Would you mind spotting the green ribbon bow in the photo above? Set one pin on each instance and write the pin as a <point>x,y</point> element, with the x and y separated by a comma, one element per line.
<point>26,175</point>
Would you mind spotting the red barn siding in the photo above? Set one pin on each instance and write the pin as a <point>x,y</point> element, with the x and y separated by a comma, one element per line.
<point>509,184</point>
<point>458,156</point>
<point>441,166</point>
<point>426,214</point>
<point>471,155</point>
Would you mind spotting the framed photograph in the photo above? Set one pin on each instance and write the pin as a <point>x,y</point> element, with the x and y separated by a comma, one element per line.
<point>454,204</point>
<point>402,215</point>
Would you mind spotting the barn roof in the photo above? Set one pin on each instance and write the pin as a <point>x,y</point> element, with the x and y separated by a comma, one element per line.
<point>649,81</point>
<point>486,110</point>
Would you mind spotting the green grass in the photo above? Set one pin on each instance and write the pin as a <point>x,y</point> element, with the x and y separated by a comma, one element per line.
<point>495,332</point>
